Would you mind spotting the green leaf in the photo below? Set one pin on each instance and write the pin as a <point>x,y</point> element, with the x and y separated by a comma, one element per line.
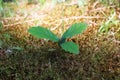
<point>51,49</point>
<point>106,25</point>
<point>1,43</point>
<point>7,36</point>
<point>71,47</point>
<point>76,28</point>
<point>42,1</point>
<point>17,48</point>
<point>1,26</point>
<point>41,32</point>
<point>1,5</point>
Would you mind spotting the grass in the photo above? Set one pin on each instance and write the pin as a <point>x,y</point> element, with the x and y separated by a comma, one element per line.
<point>43,60</point>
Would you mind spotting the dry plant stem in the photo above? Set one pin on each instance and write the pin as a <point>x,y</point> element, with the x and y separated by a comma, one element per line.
<point>62,19</point>
<point>66,19</point>
<point>27,21</point>
<point>116,41</point>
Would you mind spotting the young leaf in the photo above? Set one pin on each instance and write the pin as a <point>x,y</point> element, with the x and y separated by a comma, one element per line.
<point>71,47</point>
<point>17,48</point>
<point>76,28</point>
<point>41,32</point>
<point>1,26</point>
<point>1,43</point>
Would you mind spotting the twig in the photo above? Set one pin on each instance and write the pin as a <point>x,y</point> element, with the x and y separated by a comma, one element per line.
<point>38,18</point>
<point>85,17</point>
<point>27,21</point>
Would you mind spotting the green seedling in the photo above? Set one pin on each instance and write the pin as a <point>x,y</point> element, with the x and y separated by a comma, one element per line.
<point>77,28</point>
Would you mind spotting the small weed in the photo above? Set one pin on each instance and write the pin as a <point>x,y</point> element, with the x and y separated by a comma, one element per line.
<point>111,20</point>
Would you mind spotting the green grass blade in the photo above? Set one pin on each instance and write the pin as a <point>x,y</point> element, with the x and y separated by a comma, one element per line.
<point>41,32</point>
<point>71,47</point>
<point>75,29</point>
